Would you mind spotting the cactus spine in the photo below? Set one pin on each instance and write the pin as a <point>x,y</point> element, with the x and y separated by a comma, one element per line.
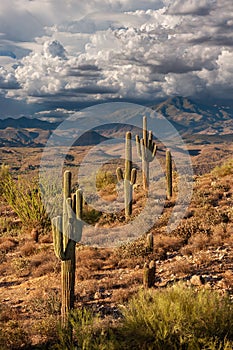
<point>129,177</point>
<point>169,173</point>
<point>67,230</point>
<point>146,149</point>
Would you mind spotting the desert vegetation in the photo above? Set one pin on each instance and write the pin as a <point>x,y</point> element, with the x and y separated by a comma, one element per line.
<point>188,306</point>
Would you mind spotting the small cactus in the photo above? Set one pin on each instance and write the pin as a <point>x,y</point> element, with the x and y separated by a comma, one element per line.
<point>67,230</point>
<point>149,274</point>
<point>150,242</point>
<point>169,174</point>
<point>146,149</point>
<point>129,177</point>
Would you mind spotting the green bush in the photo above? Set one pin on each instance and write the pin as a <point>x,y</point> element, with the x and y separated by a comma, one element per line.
<point>105,178</point>
<point>25,199</point>
<point>178,318</point>
<point>13,336</point>
<point>224,169</point>
<point>4,173</point>
<point>88,333</point>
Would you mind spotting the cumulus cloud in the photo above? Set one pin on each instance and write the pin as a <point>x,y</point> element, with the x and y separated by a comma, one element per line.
<point>125,49</point>
<point>54,49</point>
<point>7,79</point>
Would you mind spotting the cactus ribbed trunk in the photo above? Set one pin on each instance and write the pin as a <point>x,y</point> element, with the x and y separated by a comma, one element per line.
<point>129,177</point>
<point>145,174</point>
<point>128,168</point>
<point>169,174</point>
<point>68,266</point>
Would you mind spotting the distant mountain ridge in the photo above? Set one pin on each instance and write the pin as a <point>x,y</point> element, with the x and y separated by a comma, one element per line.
<point>27,123</point>
<point>188,117</point>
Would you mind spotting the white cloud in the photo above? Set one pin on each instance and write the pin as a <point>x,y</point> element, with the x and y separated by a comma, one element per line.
<point>122,49</point>
<point>7,79</point>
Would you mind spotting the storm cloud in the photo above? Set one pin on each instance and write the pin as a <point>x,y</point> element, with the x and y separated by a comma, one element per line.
<point>108,50</point>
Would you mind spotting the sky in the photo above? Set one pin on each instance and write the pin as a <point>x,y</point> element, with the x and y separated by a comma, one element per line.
<point>57,56</point>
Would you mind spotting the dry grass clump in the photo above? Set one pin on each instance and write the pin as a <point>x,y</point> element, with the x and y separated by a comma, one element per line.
<point>181,267</point>
<point>228,279</point>
<point>13,335</point>
<point>44,263</point>
<point>28,248</point>
<point>197,242</point>
<point>91,258</point>
<point>46,303</point>
<point>223,170</point>
<point>7,244</point>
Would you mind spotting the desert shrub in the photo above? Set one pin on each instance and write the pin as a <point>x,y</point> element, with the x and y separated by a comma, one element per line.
<point>191,227</point>
<point>224,169</point>
<point>178,318</point>
<point>46,305</point>
<point>21,266</point>
<point>105,178</point>
<point>13,336</point>
<point>25,199</point>
<point>4,173</point>
<point>137,248</point>
<point>88,333</point>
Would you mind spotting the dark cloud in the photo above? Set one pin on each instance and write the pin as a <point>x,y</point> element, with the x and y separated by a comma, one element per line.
<point>191,7</point>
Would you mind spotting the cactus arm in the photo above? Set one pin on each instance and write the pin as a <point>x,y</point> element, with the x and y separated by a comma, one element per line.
<point>133,176</point>
<point>120,175</point>
<point>150,140</point>
<point>154,150</point>
<point>67,184</point>
<point>79,214</point>
<point>79,204</point>
<point>58,237</point>
<point>138,146</point>
<point>143,150</point>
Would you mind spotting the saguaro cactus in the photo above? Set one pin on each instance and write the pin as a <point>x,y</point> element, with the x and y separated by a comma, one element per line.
<point>67,230</point>
<point>150,242</point>
<point>146,149</point>
<point>149,274</point>
<point>169,173</point>
<point>129,176</point>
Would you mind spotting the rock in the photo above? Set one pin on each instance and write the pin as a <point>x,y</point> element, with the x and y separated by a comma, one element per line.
<point>197,280</point>
<point>35,235</point>
<point>97,295</point>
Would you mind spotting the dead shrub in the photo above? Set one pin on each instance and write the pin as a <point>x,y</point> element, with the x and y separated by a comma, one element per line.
<point>181,267</point>
<point>7,244</point>
<point>28,248</point>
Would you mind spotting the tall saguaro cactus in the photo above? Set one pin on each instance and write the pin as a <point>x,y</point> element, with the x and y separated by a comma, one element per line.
<point>169,173</point>
<point>129,176</point>
<point>146,149</point>
<point>67,230</point>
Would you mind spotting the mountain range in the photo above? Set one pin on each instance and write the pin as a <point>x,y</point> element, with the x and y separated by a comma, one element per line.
<point>189,118</point>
